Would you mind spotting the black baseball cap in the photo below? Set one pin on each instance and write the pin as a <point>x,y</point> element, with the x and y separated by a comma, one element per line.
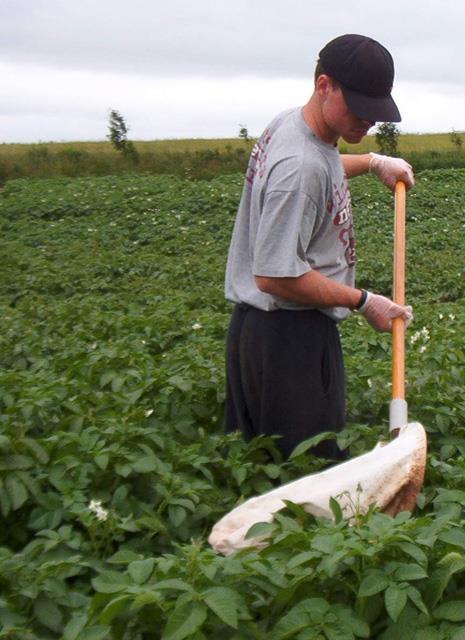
<point>365,71</point>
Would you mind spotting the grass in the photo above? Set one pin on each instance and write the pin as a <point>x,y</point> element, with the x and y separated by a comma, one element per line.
<point>195,158</point>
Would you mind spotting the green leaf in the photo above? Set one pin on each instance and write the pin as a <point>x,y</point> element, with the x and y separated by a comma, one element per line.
<point>133,396</point>
<point>406,572</point>
<point>106,378</point>
<point>453,611</point>
<point>296,509</point>
<point>15,461</point>
<point>414,551</point>
<point>260,529</point>
<point>429,633</point>
<point>5,442</point>
<point>307,613</point>
<point>74,626</point>
<point>372,584</point>
<point>311,442</point>
<point>114,608</point>
<point>272,470</point>
<point>124,556</point>
<point>117,383</point>
<point>223,602</point>
<point>290,624</point>
<point>454,536</point>
<point>360,628</point>
<point>141,570</point>
<point>415,597</point>
<point>336,510</point>
<point>97,632</point>
<point>176,514</point>
<point>17,492</point>
<point>338,631</point>
<point>37,449</point>
<point>145,598</point>
<point>449,565</point>
<point>173,583</point>
<point>146,464</point>
<point>395,600</point>
<point>47,613</point>
<point>184,502</point>
<point>111,582</point>
<point>184,621</point>
<point>102,461</point>
<point>180,383</point>
<point>5,504</point>
<point>302,558</point>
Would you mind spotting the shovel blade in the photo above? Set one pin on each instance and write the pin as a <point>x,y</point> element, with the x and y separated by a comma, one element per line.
<point>389,476</point>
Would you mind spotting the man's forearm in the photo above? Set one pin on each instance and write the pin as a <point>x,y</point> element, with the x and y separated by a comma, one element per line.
<point>355,165</point>
<point>312,289</point>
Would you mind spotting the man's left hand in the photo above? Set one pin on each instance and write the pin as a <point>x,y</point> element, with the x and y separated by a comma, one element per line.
<point>391,170</point>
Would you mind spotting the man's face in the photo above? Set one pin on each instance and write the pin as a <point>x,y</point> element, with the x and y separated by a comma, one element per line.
<point>340,120</point>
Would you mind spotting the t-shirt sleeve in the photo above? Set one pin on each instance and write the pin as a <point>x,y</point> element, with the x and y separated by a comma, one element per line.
<point>284,232</point>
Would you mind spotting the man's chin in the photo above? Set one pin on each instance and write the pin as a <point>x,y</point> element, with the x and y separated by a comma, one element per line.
<point>353,138</point>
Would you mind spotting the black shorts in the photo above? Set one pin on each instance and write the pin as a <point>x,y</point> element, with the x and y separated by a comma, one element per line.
<point>285,376</point>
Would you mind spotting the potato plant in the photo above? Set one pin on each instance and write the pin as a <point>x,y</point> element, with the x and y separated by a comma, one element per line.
<point>113,463</point>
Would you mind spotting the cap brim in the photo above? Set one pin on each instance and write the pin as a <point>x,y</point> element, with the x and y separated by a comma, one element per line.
<point>370,108</point>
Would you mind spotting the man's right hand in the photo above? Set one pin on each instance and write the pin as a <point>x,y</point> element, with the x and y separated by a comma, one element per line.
<point>391,170</point>
<point>380,312</point>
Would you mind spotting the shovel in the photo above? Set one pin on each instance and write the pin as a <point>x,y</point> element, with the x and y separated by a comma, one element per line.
<point>389,477</point>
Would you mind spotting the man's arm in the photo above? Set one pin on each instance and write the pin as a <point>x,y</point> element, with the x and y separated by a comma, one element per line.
<point>312,288</point>
<point>389,170</point>
<point>315,289</point>
<point>355,164</point>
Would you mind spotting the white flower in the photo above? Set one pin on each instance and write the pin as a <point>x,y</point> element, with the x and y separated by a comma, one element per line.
<point>451,316</point>
<point>96,507</point>
<point>148,413</point>
<point>196,326</point>
<point>369,382</point>
<point>423,348</point>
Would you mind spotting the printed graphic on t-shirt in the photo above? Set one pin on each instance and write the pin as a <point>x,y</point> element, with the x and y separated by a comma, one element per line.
<point>258,157</point>
<point>340,208</point>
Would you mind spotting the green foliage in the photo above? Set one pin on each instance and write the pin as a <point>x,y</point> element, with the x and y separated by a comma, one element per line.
<point>118,136</point>
<point>194,159</point>
<point>113,465</point>
<point>387,136</point>
<point>244,132</point>
<point>456,140</point>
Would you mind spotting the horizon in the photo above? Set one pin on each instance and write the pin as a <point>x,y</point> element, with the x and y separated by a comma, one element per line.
<point>212,138</point>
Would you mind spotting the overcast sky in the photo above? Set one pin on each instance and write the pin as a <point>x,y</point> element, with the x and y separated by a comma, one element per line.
<point>199,68</point>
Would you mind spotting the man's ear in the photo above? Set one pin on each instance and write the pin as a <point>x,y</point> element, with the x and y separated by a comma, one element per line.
<point>323,85</point>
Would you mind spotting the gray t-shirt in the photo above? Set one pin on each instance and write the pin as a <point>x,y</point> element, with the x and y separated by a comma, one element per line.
<point>295,215</point>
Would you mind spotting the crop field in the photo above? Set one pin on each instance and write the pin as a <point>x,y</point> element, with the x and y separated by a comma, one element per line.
<point>407,142</point>
<point>193,158</point>
<point>113,463</point>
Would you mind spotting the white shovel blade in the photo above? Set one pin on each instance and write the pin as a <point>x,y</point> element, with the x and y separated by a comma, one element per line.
<point>389,476</point>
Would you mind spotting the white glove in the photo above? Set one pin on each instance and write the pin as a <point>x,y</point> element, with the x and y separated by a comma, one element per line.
<point>390,170</point>
<point>380,311</point>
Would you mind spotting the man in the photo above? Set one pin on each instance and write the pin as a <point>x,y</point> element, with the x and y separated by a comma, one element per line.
<point>291,263</point>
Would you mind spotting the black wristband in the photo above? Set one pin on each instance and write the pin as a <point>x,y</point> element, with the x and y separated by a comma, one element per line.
<point>363,299</point>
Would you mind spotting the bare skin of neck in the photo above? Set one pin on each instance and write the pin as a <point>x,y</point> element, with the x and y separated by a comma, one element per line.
<point>312,114</point>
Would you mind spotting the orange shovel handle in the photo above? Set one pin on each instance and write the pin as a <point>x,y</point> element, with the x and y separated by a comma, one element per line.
<point>398,324</point>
